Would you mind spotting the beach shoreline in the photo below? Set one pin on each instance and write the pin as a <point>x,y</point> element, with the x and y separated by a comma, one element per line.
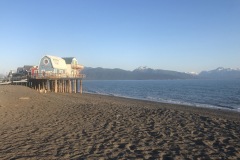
<point>212,109</point>
<point>92,126</point>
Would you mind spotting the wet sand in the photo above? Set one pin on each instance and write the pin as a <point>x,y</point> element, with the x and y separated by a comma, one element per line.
<point>74,126</point>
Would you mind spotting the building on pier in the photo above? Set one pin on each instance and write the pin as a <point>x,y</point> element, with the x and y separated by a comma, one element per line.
<point>52,65</point>
<point>57,75</point>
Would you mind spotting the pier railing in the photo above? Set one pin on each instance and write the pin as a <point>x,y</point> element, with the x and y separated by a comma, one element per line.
<point>77,66</point>
<point>55,76</point>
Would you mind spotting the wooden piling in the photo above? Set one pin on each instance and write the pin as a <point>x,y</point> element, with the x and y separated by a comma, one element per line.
<point>56,87</point>
<point>43,86</point>
<point>62,85</point>
<point>70,86</point>
<point>75,86</point>
<point>63,90</point>
<point>48,85</point>
<point>80,86</point>
<point>67,86</point>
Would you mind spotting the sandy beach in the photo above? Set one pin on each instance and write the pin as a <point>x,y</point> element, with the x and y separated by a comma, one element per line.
<point>34,125</point>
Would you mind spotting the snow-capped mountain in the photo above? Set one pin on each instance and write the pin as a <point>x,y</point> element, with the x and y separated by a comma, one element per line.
<point>146,73</point>
<point>192,73</point>
<point>141,73</point>
<point>221,73</point>
<point>225,69</point>
<point>142,68</point>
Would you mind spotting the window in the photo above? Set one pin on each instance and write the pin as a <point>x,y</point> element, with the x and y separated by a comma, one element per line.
<point>46,61</point>
<point>74,62</point>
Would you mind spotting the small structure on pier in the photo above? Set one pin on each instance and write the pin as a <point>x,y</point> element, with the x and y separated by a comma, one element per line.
<point>26,69</point>
<point>57,75</point>
<point>73,68</point>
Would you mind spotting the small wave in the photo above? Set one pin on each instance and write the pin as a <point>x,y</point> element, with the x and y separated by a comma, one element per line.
<point>170,101</point>
<point>96,92</point>
<point>88,92</point>
<point>150,98</point>
<point>224,106</point>
<point>115,95</point>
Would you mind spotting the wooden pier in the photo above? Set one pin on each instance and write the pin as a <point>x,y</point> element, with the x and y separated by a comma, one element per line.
<point>56,83</point>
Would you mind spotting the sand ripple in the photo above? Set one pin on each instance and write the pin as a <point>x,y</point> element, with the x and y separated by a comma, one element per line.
<point>72,126</point>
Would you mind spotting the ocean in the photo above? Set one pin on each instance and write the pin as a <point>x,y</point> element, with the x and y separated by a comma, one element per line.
<point>224,94</point>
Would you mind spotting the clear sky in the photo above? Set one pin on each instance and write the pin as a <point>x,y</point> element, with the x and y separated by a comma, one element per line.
<point>180,35</point>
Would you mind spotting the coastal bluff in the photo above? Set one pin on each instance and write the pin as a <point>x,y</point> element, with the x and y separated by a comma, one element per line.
<point>88,126</point>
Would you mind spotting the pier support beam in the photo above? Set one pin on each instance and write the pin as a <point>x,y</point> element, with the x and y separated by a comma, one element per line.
<point>43,86</point>
<point>59,85</point>
<point>75,85</point>
<point>63,85</point>
<point>56,87</point>
<point>48,85</point>
<point>70,86</point>
<point>80,86</point>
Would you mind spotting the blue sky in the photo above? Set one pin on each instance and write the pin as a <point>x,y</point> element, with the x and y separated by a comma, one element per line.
<point>181,35</point>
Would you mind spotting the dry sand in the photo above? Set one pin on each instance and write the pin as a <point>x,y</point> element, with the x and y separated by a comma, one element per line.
<point>73,126</point>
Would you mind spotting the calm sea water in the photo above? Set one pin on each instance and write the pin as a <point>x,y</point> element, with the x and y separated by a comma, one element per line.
<point>199,93</point>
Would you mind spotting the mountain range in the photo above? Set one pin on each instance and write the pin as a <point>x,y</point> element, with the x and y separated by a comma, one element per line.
<point>141,73</point>
<point>145,73</point>
<point>221,73</point>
